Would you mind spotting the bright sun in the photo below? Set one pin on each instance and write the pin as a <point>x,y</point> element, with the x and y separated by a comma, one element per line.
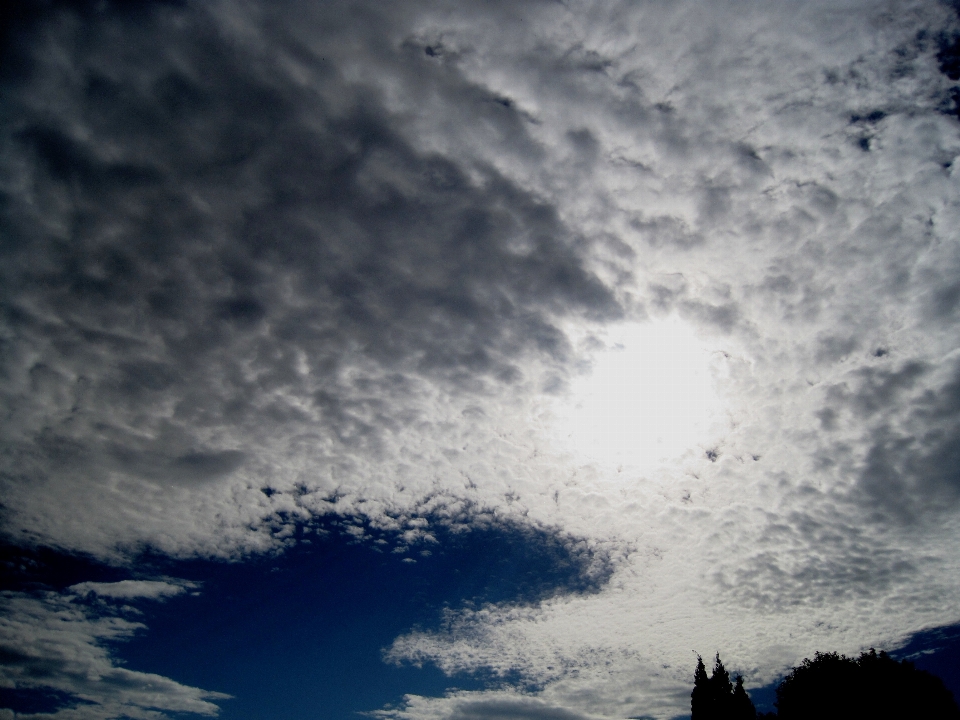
<point>648,397</point>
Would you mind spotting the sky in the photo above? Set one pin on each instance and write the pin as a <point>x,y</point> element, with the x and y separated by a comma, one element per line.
<point>472,361</point>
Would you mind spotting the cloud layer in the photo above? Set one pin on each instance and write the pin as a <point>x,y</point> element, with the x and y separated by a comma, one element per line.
<point>263,262</point>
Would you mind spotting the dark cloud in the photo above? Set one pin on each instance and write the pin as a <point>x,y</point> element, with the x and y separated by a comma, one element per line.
<point>724,315</point>
<point>711,307</point>
<point>944,300</point>
<point>509,709</point>
<point>667,231</point>
<point>847,563</point>
<point>192,238</point>
<point>832,348</point>
<point>910,476</point>
<point>189,467</point>
<point>909,473</point>
<point>880,388</point>
<point>948,56</point>
<point>912,422</point>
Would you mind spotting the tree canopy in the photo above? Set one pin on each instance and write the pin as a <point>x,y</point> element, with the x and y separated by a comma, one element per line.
<point>716,698</point>
<point>830,687</point>
<point>873,685</point>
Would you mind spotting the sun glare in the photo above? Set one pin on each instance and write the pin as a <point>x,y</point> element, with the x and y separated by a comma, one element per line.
<point>649,397</point>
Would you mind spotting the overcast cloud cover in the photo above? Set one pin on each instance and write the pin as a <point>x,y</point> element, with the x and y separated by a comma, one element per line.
<point>267,261</point>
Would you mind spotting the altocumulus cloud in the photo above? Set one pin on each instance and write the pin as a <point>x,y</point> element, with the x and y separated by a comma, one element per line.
<point>268,261</point>
<point>264,259</point>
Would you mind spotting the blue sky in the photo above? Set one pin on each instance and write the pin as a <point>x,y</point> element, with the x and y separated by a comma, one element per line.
<point>319,616</point>
<point>301,633</point>
<point>458,361</point>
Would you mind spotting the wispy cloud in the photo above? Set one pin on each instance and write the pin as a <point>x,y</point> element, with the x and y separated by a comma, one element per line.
<point>128,589</point>
<point>51,641</point>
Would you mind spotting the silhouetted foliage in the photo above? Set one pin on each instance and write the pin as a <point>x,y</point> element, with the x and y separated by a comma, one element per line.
<point>874,686</point>
<point>700,697</point>
<point>830,687</point>
<point>721,690</point>
<point>715,698</point>
<point>741,707</point>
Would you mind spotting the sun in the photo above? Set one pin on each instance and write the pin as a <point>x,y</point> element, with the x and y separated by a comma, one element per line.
<point>648,397</point>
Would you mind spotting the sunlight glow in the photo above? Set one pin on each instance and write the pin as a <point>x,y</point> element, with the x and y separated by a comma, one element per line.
<point>649,397</point>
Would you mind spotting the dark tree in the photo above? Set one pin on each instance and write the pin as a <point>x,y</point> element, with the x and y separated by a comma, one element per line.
<point>700,697</point>
<point>741,706</point>
<point>825,686</point>
<point>715,698</point>
<point>875,686</point>
<point>721,689</point>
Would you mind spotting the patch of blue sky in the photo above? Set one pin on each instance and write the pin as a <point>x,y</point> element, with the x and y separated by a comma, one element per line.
<point>301,633</point>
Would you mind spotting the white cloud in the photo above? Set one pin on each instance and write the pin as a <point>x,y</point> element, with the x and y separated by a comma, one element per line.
<point>127,589</point>
<point>496,705</point>
<point>51,642</point>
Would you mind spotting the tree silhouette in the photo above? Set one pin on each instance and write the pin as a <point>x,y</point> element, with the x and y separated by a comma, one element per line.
<point>741,707</point>
<point>721,689</point>
<point>700,704</point>
<point>715,698</point>
<point>875,686</point>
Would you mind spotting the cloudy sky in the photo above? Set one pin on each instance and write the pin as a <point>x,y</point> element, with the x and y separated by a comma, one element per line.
<point>459,361</point>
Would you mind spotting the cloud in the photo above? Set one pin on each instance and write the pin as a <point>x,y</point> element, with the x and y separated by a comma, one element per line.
<point>480,706</point>
<point>49,641</point>
<point>786,521</point>
<point>293,259</point>
<point>128,589</point>
<point>254,258</point>
<point>516,710</point>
